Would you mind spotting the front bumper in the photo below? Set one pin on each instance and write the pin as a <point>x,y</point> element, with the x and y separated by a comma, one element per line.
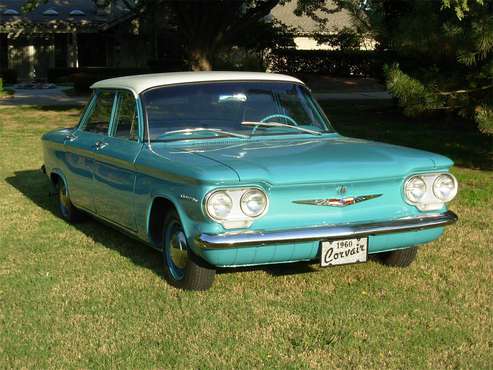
<point>329,232</point>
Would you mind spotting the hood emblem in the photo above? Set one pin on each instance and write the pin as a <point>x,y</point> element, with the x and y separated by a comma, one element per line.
<point>337,202</point>
<point>341,190</point>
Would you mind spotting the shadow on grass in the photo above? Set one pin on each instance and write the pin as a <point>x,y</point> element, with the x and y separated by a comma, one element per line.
<point>58,108</point>
<point>382,121</point>
<point>35,186</point>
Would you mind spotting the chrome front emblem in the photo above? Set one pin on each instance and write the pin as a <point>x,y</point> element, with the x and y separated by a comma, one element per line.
<point>337,202</point>
<point>341,190</point>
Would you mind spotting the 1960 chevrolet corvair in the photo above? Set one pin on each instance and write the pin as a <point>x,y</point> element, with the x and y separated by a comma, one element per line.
<point>234,169</point>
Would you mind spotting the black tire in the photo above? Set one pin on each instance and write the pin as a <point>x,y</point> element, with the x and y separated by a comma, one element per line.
<point>182,268</point>
<point>399,258</point>
<point>67,210</point>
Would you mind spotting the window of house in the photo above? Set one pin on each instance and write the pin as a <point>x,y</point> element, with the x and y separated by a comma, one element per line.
<point>99,119</point>
<point>77,12</point>
<point>50,12</point>
<point>126,117</point>
<point>10,12</point>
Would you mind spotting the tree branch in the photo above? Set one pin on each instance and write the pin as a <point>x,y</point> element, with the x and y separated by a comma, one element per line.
<point>464,91</point>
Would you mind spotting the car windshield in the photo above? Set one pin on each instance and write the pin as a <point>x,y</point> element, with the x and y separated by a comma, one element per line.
<point>231,109</point>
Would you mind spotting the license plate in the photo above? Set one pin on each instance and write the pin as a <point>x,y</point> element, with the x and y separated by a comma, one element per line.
<point>344,251</point>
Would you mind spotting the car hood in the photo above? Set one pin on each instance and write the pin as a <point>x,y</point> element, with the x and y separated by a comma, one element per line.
<point>332,158</point>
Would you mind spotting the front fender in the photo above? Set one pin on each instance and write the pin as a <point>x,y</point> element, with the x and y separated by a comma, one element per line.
<point>58,172</point>
<point>183,213</point>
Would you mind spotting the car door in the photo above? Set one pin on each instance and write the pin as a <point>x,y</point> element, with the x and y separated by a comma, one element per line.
<point>81,146</point>
<point>114,172</point>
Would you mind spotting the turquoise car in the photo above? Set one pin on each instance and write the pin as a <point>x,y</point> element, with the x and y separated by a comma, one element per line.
<point>228,169</point>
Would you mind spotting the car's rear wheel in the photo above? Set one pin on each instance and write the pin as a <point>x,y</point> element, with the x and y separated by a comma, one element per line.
<point>399,258</point>
<point>182,268</point>
<point>67,210</point>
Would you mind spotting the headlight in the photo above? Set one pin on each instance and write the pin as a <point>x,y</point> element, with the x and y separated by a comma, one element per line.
<point>236,207</point>
<point>429,191</point>
<point>445,187</point>
<point>253,203</point>
<point>219,205</point>
<point>415,189</point>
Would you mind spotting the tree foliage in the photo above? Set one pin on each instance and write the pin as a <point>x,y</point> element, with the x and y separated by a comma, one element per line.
<point>453,40</point>
<point>206,28</point>
<point>445,48</point>
<point>209,27</point>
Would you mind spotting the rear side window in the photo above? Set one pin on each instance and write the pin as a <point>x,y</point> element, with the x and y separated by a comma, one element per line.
<point>98,120</point>
<point>126,117</point>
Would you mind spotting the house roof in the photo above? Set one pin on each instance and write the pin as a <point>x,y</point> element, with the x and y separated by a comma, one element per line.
<point>55,14</point>
<point>140,83</point>
<point>304,24</point>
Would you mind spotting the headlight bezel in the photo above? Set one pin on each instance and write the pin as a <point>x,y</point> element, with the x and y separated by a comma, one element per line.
<point>237,218</point>
<point>429,201</point>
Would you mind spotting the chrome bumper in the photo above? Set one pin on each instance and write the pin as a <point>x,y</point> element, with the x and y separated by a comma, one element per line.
<point>343,231</point>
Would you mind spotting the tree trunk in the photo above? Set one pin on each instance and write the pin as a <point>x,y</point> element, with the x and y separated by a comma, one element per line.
<point>200,61</point>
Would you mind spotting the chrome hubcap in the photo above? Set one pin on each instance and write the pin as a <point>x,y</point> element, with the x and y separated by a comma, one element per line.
<point>64,199</point>
<point>178,249</point>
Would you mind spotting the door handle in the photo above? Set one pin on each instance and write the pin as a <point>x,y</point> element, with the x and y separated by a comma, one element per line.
<point>100,145</point>
<point>70,137</point>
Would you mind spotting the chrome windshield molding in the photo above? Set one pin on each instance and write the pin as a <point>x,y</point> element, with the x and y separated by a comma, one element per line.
<point>278,124</point>
<point>330,232</point>
<point>198,129</point>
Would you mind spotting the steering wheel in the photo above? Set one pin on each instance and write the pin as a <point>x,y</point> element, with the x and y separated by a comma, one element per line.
<point>279,116</point>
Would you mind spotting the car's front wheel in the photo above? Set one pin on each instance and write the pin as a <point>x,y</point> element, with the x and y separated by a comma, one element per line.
<point>399,258</point>
<point>182,268</point>
<point>67,210</point>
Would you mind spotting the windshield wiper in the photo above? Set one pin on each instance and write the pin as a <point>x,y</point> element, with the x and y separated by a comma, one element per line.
<point>278,124</point>
<point>198,129</point>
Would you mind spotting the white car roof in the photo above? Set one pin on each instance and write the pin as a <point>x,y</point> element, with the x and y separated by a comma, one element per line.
<point>140,83</point>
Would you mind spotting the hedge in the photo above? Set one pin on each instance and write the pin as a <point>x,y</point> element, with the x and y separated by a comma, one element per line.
<point>340,63</point>
<point>84,77</point>
<point>9,76</point>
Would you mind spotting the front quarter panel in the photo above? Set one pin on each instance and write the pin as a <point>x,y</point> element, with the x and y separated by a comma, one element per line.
<point>182,178</point>
<point>54,149</point>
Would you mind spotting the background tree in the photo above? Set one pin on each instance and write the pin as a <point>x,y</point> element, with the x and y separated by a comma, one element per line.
<point>453,42</point>
<point>444,50</point>
<point>207,28</point>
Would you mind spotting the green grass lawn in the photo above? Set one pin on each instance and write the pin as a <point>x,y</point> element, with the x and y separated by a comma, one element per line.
<point>86,296</point>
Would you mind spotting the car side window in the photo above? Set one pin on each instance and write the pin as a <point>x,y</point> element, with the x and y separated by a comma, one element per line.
<point>98,120</point>
<point>126,121</point>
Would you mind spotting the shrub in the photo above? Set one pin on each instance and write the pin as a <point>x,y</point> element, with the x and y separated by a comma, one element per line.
<point>84,77</point>
<point>56,75</point>
<point>9,76</point>
<point>1,84</point>
<point>168,64</point>
<point>340,63</point>
<point>239,60</point>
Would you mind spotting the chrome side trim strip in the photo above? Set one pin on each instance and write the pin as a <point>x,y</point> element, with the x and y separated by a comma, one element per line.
<point>343,231</point>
